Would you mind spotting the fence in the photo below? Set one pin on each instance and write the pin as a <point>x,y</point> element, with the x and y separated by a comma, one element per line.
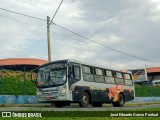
<point>16,81</point>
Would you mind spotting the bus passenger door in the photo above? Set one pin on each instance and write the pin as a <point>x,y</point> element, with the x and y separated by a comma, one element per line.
<point>73,74</point>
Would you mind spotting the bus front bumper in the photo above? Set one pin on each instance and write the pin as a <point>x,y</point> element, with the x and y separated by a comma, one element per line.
<point>49,98</point>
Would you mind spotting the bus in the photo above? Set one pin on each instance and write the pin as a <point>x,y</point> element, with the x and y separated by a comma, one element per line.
<point>69,81</point>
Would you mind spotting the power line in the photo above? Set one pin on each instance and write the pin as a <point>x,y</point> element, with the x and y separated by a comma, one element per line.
<point>22,14</point>
<point>55,12</point>
<point>16,20</point>
<point>144,59</point>
<point>68,37</point>
<point>40,28</point>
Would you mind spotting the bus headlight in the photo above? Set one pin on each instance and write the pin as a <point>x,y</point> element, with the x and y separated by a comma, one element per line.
<point>38,92</point>
<point>63,89</point>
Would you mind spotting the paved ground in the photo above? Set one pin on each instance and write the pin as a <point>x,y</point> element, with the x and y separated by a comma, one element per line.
<point>77,108</point>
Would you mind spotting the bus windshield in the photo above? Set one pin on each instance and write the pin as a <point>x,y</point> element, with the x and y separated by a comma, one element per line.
<point>52,75</point>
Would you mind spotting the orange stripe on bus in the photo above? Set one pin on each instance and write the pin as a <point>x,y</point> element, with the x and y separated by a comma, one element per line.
<point>116,87</point>
<point>110,95</point>
<point>122,88</point>
<point>114,90</point>
<point>111,90</point>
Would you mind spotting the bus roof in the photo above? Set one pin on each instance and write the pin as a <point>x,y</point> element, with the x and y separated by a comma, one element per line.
<point>85,63</point>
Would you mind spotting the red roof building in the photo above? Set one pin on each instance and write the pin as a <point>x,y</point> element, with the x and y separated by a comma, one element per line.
<point>19,63</point>
<point>22,61</point>
<point>153,70</point>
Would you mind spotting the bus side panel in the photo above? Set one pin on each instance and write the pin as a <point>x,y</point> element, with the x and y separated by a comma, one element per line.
<point>95,95</point>
<point>100,96</point>
<point>77,92</point>
<point>129,95</point>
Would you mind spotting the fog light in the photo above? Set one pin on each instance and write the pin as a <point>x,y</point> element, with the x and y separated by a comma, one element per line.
<point>38,92</point>
<point>63,89</point>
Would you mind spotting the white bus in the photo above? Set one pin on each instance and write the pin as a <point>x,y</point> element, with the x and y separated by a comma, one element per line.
<point>68,81</point>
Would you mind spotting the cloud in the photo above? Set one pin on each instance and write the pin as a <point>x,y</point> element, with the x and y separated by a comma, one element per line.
<point>129,26</point>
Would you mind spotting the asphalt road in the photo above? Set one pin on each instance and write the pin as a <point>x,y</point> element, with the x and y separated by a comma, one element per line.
<point>77,108</point>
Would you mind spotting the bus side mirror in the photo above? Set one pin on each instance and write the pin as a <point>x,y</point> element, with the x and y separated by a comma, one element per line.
<point>70,76</point>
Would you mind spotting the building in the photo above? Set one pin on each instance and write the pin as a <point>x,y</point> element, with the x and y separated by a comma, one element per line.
<point>153,74</point>
<point>22,64</point>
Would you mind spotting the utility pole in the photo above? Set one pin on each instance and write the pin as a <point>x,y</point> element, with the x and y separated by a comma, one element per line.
<point>48,39</point>
<point>48,31</point>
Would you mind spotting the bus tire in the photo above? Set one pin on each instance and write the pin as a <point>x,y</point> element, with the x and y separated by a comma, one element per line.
<point>120,102</point>
<point>58,104</point>
<point>97,104</point>
<point>84,100</point>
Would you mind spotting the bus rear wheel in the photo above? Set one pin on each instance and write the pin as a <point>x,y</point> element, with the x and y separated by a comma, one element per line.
<point>120,102</point>
<point>84,100</point>
<point>96,104</point>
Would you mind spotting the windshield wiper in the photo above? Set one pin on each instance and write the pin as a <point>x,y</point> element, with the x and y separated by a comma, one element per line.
<point>49,81</point>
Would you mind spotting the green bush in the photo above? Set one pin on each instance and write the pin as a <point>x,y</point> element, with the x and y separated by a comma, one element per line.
<point>147,91</point>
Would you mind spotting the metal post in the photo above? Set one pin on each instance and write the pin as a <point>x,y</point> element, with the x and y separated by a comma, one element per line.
<point>158,94</point>
<point>146,73</point>
<point>48,39</point>
<point>24,76</point>
<point>142,87</point>
<point>2,81</point>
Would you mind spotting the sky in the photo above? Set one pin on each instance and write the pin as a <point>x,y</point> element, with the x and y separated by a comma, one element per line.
<point>131,26</point>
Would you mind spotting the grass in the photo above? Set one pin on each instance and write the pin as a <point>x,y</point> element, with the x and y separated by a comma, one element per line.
<point>95,118</point>
<point>88,118</point>
<point>14,83</point>
<point>13,86</point>
<point>85,118</point>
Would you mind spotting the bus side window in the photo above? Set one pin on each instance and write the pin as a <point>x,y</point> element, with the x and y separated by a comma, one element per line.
<point>98,75</point>
<point>87,73</point>
<point>119,78</point>
<point>128,79</point>
<point>76,72</point>
<point>109,77</point>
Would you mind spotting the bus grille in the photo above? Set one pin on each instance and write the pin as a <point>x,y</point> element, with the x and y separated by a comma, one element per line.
<point>49,92</point>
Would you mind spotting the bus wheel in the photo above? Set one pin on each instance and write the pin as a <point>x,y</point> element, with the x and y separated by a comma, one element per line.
<point>96,104</point>
<point>84,100</point>
<point>58,104</point>
<point>120,102</point>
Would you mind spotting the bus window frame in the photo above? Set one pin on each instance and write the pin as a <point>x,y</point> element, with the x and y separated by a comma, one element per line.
<point>72,65</point>
<point>79,72</point>
<point>112,72</point>
<point>92,72</point>
<point>128,79</point>
<point>94,69</point>
<point>115,76</point>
